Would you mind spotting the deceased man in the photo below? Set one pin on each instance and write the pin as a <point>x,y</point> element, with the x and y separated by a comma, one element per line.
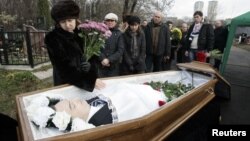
<point>115,103</point>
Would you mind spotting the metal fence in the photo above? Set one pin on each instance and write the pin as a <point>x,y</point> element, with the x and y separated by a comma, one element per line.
<point>23,48</point>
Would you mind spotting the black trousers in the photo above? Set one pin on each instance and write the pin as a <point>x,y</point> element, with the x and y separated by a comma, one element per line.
<point>154,63</point>
<point>217,64</point>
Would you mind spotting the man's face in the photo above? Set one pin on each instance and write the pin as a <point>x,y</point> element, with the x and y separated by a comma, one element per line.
<point>218,24</point>
<point>170,26</point>
<point>75,108</point>
<point>157,18</point>
<point>184,27</point>
<point>134,27</point>
<point>110,23</point>
<point>144,23</point>
<point>197,19</point>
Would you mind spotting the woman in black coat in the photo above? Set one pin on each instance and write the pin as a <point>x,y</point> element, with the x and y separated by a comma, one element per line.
<point>65,49</point>
<point>111,54</point>
<point>133,61</point>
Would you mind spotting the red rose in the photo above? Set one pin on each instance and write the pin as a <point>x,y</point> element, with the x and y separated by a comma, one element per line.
<point>160,102</point>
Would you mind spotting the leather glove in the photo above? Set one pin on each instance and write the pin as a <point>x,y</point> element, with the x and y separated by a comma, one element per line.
<point>85,66</point>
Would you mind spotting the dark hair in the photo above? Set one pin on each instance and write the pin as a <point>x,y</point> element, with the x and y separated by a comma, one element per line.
<point>133,20</point>
<point>169,22</point>
<point>198,13</point>
<point>53,102</point>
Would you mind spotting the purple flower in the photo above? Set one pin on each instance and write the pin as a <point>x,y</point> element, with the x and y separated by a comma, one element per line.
<point>94,33</point>
<point>107,34</point>
<point>85,26</point>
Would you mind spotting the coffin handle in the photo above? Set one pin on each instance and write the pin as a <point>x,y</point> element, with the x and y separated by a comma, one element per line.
<point>210,90</point>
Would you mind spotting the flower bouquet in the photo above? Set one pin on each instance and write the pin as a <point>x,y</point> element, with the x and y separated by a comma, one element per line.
<point>216,54</point>
<point>94,35</point>
<point>176,33</point>
<point>175,36</point>
<point>171,90</point>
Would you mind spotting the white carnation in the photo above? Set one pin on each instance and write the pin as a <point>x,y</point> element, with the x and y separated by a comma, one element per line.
<point>61,120</point>
<point>31,109</point>
<point>40,101</point>
<point>41,116</point>
<point>79,124</point>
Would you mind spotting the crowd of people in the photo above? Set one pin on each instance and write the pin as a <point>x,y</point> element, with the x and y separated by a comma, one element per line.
<point>134,47</point>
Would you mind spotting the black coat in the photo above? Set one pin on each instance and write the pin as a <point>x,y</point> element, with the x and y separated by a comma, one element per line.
<point>139,62</point>
<point>114,47</point>
<point>220,38</point>
<point>65,52</point>
<point>113,50</point>
<point>205,39</point>
<point>164,43</point>
<point>8,128</point>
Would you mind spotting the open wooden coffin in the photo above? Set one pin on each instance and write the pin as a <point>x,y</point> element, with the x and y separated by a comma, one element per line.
<point>156,125</point>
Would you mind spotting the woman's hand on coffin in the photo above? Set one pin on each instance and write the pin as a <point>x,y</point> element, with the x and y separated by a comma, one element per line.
<point>99,84</point>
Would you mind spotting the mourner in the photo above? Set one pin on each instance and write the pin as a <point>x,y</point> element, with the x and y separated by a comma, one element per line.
<point>112,52</point>
<point>200,39</point>
<point>133,61</point>
<point>157,43</point>
<point>65,49</point>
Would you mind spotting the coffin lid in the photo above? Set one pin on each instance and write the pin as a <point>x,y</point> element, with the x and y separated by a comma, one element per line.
<point>201,67</point>
<point>223,86</point>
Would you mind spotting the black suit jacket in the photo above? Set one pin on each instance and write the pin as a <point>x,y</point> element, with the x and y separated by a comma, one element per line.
<point>102,116</point>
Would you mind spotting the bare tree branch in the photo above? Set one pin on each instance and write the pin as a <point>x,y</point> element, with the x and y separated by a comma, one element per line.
<point>133,6</point>
<point>125,7</point>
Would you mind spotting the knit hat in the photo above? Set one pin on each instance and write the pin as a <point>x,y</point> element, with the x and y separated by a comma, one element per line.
<point>111,16</point>
<point>133,20</point>
<point>65,9</point>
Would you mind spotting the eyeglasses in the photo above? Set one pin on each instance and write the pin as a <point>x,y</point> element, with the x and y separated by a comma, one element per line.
<point>109,20</point>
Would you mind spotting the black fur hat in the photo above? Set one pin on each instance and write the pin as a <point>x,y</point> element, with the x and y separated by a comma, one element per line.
<point>133,20</point>
<point>65,9</point>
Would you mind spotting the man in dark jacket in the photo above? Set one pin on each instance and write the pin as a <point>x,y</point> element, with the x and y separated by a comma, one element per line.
<point>112,52</point>
<point>220,41</point>
<point>157,43</point>
<point>181,58</point>
<point>200,39</point>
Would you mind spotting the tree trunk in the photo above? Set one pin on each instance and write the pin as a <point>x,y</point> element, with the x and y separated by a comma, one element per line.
<point>125,7</point>
<point>128,8</point>
<point>133,6</point>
